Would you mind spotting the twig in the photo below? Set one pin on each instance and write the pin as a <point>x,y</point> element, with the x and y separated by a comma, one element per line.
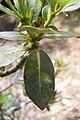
<point>14,69</point>
<point>18,108</point>
<point>7,88</point>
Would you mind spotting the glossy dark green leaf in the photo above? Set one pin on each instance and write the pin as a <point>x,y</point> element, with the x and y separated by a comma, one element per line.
<point>53,98</point>
<point>39,78</point>
<point>8,35</point>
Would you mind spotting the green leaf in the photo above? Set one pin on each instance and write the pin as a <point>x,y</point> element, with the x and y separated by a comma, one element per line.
<point>7,10</point>
<point>71,7</point>
<point>9,54</point>
<point>27,8</point>
<point>53,99</point>
<point>53,27</point>
<point>39,78</point>
<point>50,32</point>
<point>64,3</point>
<point>35,8</point>
<point>22,7</point>
<point>46,11</point>
<point>12,35</point>
<point>58,34</point>
<point>34,30</point>
<point>14,9</point>
<point>52,4</point>
<point>16,3</point>
<point>4,99</point>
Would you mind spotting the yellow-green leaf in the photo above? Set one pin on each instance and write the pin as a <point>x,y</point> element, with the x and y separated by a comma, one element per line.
<point>4,98</point>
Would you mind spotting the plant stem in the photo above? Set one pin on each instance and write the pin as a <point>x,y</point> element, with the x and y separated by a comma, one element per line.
<point>49,20</point>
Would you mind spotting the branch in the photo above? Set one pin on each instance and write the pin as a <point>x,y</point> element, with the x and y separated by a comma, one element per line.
<point>14,69</point>
<point>6,88</point>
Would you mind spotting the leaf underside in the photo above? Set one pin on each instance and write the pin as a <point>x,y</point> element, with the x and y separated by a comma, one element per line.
<point>58,34</point>
<point>39,91</point>
<point>71,7</point>
<point>9,54</point>
<point>14,36</point>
